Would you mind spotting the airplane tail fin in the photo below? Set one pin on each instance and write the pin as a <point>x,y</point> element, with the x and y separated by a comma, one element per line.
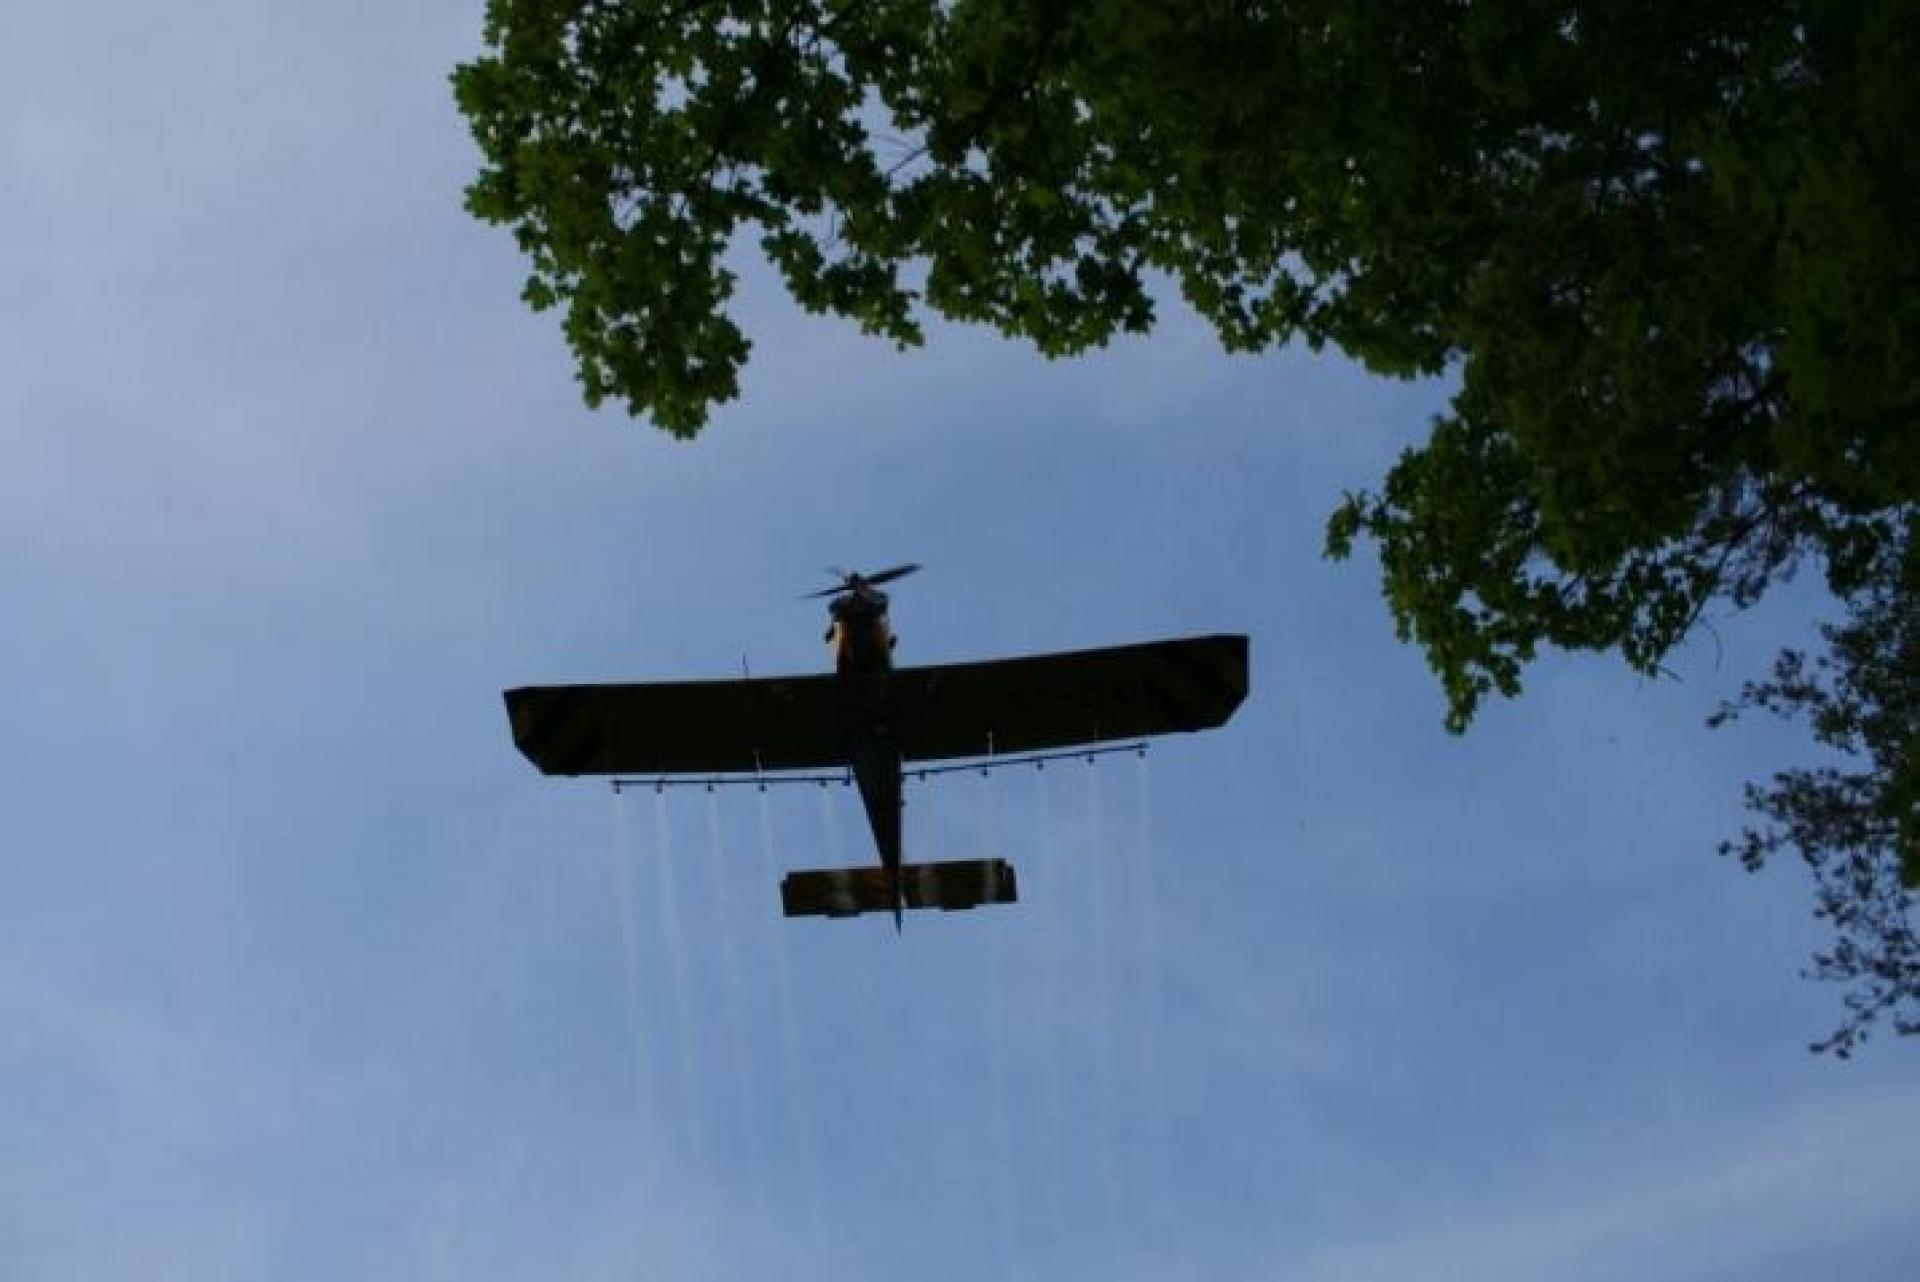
<point>952,886</point>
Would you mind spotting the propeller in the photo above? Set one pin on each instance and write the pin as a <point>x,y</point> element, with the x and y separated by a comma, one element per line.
<point>853,581</point>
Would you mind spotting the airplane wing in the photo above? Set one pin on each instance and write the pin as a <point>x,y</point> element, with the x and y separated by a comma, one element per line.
<point>947,710</point>
<point>673,727</point>
<point>1062,700</point>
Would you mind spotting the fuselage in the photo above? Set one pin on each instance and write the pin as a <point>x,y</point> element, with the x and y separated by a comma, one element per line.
<point>862,644</point>
<point>859,636</point>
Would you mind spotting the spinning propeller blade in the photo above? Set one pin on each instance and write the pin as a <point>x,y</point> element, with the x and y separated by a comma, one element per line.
<point>853,581</point>
<point>897,572</point>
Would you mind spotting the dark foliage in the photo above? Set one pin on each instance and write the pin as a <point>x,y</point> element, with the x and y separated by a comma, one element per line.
<point>1856,823</point>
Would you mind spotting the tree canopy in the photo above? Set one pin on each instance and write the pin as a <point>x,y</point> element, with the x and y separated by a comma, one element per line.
<point>1665,248</point>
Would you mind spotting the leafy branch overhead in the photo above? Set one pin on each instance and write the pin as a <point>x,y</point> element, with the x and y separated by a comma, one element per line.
<point>1856,821</point>
<point>1026,165</point>
<point>1666,249</point>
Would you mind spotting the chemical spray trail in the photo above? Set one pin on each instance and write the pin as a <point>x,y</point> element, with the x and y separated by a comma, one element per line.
<point>909,1013</point>
<point>1053,953</point>
<point>1150,991</point>
<point>686,1104</point>
<point>830,818</point>
<point>1008,1189</point>
<point>732,1002</point>
<point>1105,1156</point>
<point>629,944</point>
<point>799,1112</point>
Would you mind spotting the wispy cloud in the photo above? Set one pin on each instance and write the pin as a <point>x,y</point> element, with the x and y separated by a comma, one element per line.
<point>1828,1175</point>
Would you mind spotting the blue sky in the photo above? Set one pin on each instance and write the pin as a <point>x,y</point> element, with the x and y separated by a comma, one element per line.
<point>305,973</point>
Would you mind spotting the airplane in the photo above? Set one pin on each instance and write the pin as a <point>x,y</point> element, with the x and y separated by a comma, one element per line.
<point>870,718</point>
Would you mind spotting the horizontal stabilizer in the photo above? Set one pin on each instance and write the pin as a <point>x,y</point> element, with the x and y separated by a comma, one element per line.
<point>848,892</point>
